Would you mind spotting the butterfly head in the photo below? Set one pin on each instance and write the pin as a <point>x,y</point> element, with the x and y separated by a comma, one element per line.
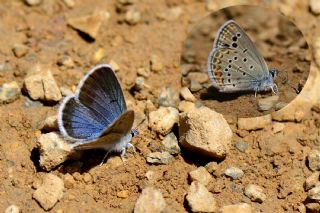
<point>274,73</point>
<point>134,132</point>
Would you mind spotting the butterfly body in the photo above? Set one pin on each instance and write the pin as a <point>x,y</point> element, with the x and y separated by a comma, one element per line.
<point>96,116</point>
<point>235,65</point>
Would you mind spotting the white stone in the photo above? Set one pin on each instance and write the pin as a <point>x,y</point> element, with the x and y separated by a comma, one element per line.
<point>255,193</point>
<point>41,85</point>
<point>314,193</point>
<point>170,144</point>
<point>314,160</point>
<point>205,131</point>
<point>200,199</point>
<point>50,192</point>
<point>151,201</point>
<point>159,158</point>
<point>89,24</point>
<point>163,119</point>
<point>315,6</point>
<point>12,209</point>
<point>201,175</point>
<point>254,123</point>
<point>155,63</point>
<point>53,150</point>
<point>185,106</point>
<point>234,172</point>
<point>9,92</point>
<point>168,97</point>
<point>237,208</point>
<point>265,104</point>
<point>187,95</point>
<point>132,16</point>
<point>50,123</point>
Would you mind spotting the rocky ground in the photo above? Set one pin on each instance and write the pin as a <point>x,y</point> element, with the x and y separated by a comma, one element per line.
<point>184,162</point>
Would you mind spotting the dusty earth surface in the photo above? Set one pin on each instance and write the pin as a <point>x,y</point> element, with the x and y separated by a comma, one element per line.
<point>277,39</point>
<point>274,160</point>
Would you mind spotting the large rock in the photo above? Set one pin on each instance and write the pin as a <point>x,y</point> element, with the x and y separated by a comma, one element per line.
<point>163,119</point>
<point>41,85</point>
<point>205,131</point>
<point>150,200</point>
<point>200,199</point>
<point>89,24</point>
<point>50,192</point>
<point>53,150</point>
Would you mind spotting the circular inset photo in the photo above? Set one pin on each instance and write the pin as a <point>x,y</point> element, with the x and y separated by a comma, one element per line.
<point>245,61</point>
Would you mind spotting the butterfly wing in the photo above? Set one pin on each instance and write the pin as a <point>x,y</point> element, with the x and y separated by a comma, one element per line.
<point>230,71</point>
<point>98,102</point>
<point>77,121</point>
<point>232,36</point>
<point>111,134</point>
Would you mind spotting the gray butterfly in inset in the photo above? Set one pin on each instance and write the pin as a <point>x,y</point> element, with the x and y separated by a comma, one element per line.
<point>235,65</point>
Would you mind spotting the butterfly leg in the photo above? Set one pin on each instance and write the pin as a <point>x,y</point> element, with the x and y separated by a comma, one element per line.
<point>129,145</point>
<point>123,152</point>
<point>104,158</point>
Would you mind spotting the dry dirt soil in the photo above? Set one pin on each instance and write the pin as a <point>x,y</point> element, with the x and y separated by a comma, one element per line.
<point>276,162</point>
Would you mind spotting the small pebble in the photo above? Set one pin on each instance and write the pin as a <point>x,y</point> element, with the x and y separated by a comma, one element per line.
<point>66,61</point>
<point>171,14</point>
<point>155,63</point>
<point>70,3</point>
<point>254,123</point>
<point>195,86</point>
<point>132,16</point>
<point>123,194</point>
<point>211,167</point>
<point>99,54</point>
<point>143,72</point>
<point>114,65</point>
<point>170,144</point>
<point>315,6</point>
<point>314,193</point>
<point>201,175</point>
<point>268,103</point>
<point>163,119</point>
<point>50,123</point>
<point>89,24</point>
<point>187,95</point>
<point>237,208</point>
<point>168,97</point>
<point>33,2</point>
<point>255,193</point>
<point>198,76</point>
<point>241,146</point>
<point>159,158</point>
<point>12,209</point>
<point>139,83</point>
<point>314,160</point>
<point>50,192</point>
<point>9,92</point>
<point>185,106</point>
<point>212,5</point>
<point>20,50</point>
<point>150,200</point>
<point>234,172</point>
<point>200,199</point>
<point>312,181</point>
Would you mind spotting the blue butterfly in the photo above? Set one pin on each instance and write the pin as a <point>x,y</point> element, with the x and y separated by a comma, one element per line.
<point>96,116</point>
